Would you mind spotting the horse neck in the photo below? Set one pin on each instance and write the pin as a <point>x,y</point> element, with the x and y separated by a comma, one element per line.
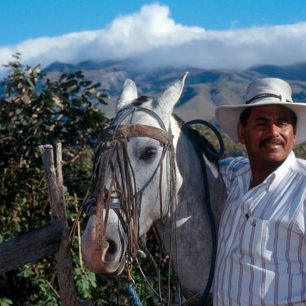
<point>200,183</point>
<point>190,210</point>
<point>190,191</point>
<point>187,234</point>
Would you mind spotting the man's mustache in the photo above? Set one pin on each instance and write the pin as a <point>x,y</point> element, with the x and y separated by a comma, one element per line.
<point>272,141</point>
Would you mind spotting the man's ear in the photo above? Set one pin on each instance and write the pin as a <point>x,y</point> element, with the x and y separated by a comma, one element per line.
<point>241,133</point>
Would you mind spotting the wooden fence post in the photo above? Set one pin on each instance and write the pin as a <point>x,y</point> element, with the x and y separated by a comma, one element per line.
<point>53,173</point>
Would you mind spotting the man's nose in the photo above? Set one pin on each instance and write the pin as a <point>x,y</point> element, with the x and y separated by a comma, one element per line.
<point>274,129</point>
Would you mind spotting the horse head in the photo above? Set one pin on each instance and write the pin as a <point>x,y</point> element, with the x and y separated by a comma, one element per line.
<point>133,180</point>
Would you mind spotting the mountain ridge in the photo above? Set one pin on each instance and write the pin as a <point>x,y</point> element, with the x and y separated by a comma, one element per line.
<point>204,89</point>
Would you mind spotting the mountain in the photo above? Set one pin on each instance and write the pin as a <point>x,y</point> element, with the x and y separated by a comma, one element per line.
<point>292,72</point>
<point>204,89</point>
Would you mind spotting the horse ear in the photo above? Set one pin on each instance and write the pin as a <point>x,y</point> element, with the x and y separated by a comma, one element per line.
<point>171,95</point>
<point>128,94</point>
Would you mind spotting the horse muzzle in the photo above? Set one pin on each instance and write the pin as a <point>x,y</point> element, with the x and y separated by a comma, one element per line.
<point>108,256</point>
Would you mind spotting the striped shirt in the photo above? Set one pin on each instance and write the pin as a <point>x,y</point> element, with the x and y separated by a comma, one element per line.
<point>261,257</point>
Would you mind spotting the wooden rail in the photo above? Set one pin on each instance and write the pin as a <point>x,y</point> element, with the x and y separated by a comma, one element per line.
<point>30,246</point>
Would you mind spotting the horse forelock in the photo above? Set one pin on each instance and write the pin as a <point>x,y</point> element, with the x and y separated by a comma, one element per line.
<point>141,100</point>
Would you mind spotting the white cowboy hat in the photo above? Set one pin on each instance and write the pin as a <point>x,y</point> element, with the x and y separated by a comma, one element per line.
<point>267,91</point>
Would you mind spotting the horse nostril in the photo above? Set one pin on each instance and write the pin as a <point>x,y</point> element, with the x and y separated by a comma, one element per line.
<point>112,247</point>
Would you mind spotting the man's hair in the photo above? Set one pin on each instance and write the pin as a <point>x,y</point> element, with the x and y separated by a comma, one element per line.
<point>245,114</point>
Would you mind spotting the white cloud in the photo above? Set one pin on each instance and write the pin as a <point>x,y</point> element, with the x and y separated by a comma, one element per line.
<point>153,37</point>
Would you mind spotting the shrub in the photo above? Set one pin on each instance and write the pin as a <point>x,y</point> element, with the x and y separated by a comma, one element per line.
<point>36,110</point>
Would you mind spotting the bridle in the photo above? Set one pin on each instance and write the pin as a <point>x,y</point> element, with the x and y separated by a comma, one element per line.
<point>107,184</point>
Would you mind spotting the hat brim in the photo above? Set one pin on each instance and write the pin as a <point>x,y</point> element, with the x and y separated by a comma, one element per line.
<point>228,117</point>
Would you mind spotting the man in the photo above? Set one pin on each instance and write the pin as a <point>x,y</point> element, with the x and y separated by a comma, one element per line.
<point>261,257</point>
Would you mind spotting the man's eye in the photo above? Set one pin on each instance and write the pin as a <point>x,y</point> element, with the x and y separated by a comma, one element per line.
<point>282,123</point>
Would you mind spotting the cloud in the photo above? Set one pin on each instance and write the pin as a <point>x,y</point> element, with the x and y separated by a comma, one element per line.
<point>153,38</point>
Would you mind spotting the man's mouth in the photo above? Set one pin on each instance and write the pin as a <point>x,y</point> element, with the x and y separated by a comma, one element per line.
<point>272,143</point>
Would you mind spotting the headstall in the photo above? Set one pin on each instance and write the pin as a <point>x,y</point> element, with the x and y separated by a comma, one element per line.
<point>113,184</point>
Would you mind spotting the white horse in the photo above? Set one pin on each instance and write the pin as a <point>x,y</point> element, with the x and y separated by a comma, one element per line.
<point>148,172</point>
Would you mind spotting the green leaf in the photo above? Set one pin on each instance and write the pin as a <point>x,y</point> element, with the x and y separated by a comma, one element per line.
<point>5,302</point>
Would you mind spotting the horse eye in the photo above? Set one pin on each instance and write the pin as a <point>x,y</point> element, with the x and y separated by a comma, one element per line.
<point>148,153</point>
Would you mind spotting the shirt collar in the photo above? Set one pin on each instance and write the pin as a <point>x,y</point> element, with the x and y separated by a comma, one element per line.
<point>279,173</point>
<point>283,168</point>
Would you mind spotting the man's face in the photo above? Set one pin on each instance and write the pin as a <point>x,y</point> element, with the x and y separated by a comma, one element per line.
<point>269,135</point>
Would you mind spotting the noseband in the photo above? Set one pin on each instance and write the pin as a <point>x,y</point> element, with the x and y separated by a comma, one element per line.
<point>113,176</point>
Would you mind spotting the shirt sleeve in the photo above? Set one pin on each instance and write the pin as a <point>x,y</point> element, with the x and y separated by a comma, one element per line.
<point>228,168</point>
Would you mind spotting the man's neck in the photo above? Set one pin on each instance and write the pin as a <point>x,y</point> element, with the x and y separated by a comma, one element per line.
<point>259,174</point>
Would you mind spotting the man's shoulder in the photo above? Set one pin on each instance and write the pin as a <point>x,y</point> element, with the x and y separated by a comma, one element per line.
<point>234,162</point>
<point>233,167</point>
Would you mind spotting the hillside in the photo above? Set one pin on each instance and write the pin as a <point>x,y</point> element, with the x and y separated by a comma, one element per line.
<point>204,89</point>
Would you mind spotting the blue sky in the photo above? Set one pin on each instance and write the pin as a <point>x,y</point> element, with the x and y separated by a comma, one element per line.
<point>201,33</point>
<point>23,19</point>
